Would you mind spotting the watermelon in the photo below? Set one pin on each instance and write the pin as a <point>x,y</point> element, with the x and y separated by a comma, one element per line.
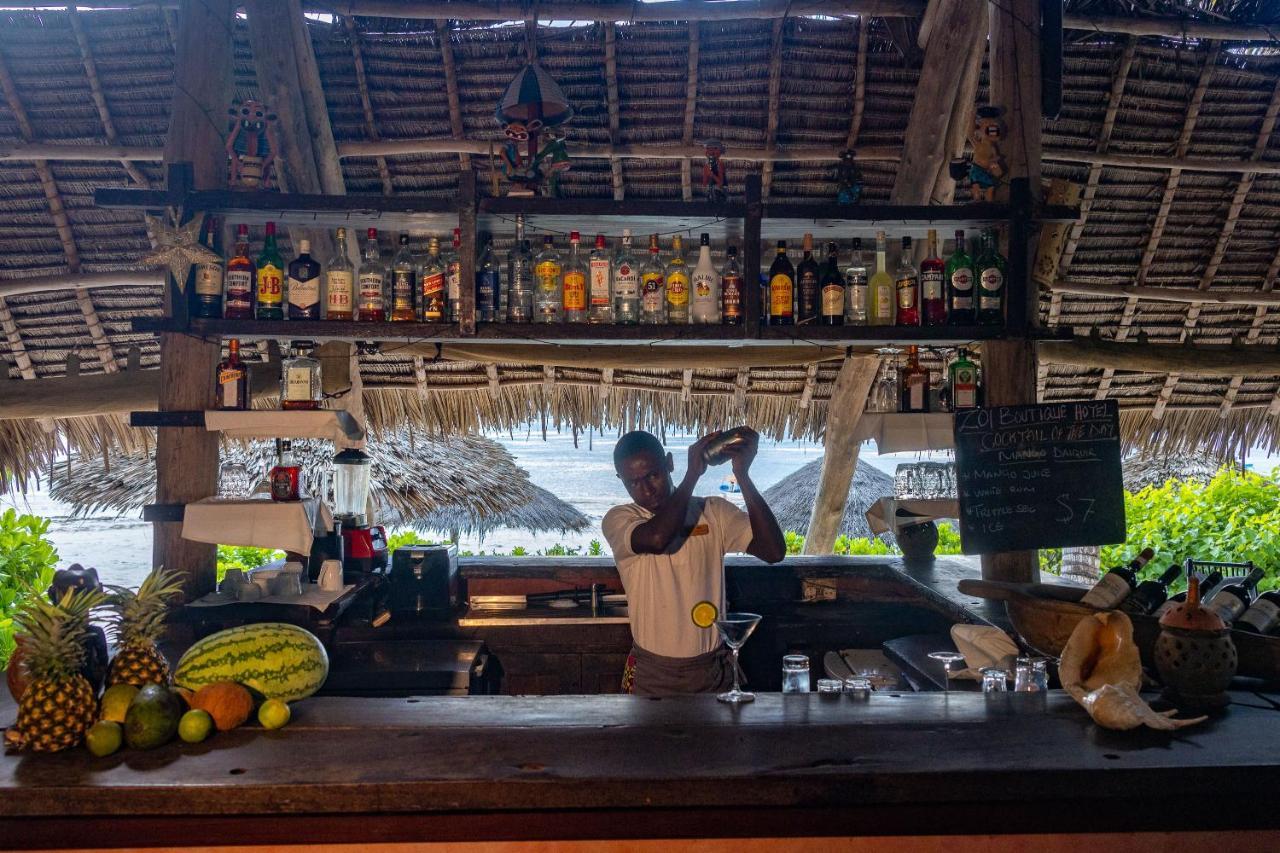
<point>279,661</point>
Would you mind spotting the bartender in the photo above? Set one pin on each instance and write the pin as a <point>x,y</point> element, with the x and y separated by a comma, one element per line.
<point>669,547</point>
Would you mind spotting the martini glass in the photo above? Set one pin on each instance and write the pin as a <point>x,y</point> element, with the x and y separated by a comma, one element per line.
<point>949,661</point>
<point>734,629</point>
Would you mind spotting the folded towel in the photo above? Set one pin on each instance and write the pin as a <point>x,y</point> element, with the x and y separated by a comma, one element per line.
<point>983,646</point>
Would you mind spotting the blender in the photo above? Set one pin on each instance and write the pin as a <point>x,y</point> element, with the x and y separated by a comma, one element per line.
<point>364,545</point>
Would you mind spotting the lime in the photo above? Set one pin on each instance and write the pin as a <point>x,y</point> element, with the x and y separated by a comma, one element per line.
<point>104,737</point>
<point>273,714</point>
<point>115,702</point>
<point>195,726</point>
<point>704,614</point>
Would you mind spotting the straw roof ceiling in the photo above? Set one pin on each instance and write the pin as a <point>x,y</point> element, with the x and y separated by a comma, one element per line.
<point>466,483</point>
<point>1156,227</point>
<point>792,497</point>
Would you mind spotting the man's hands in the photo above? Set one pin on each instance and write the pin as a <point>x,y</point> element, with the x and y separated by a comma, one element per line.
<point>697,464</point>
<point>741,455</point>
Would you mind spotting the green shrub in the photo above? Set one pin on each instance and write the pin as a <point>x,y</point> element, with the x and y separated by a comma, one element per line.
<point>27,561</point>
<point>406,537</point>
<point>244,558</point>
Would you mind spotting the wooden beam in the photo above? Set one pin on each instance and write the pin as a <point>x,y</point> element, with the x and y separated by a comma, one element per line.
<point>611,91</point>
<point>101,342</point>
<point>1255,329</point>
<point>1176,28</point>
<point>1137,357</point>
<point>1184,295</point>
<point>961,120</point>
<point>667,151</point>
<point>42,284</point>
<point>690,109</point>
<point>79,153</point>
<point>451,87</point>
<point>1015,82</point>
<point>840,451</point>
<point>1009,374</point>
<point>366,104</point>
<point>17,349</point>
<point>859,83</point>
<point>775,94</point>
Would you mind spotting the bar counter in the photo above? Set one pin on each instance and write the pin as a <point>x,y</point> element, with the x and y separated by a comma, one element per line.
<point>591,767</point>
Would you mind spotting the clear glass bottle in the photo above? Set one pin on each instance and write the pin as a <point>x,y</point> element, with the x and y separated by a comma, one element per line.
<point>208,277</point>
<point>269,272</point>
<point>285,477</point>
<point>372,302</point>
<point>432,293</point>
<point>807,275</point>
<point>404,277</point>
<point>907,288</point>
<point>626,284</point>
<point>653,291</point>
<point>676,281</point>
<point>239,279</point>
<point>856,276</point>
<point>832,290</point>
<point>520,278</point>
<point>339,279</point>
<point>600,283</point>
<point>303,288</point>
<point>705,300</point>
<point>488,285</point>
<point>933,292</point>
<point>452,263</point>
<point>300,379</point>
<point>548,299</point>
<point>731,288</point>
<point>880,288</point>
<point>915,383</point>
<point>573,279</point>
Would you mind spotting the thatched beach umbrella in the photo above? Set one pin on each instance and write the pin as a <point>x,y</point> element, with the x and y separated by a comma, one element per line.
<point>467,484</point>
<point>792,497</point>
<point>1155,469</point>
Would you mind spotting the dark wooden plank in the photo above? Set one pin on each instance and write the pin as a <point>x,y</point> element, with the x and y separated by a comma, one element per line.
<point>752,309</point>
<point>170,512</point>
<point>166,419</point>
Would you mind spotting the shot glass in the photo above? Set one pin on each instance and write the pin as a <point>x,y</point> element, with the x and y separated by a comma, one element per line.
<point>858,689</point>
<point>995,680</point>
<point>830,687</point>
<point>795,674</point>
<point>1031,675</point>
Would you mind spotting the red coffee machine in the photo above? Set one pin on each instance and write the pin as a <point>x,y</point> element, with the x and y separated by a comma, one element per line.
<point>364,545</point>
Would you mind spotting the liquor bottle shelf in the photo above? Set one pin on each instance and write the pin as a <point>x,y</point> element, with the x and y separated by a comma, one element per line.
<point>259,423</point>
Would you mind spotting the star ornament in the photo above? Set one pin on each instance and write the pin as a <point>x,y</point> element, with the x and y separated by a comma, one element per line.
<point>177,247</point>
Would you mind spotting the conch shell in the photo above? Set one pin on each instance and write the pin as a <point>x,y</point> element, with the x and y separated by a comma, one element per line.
<point>1102,671</point>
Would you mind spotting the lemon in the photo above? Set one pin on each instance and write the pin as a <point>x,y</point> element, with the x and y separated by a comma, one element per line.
<point>195,726</point>
<point>704,614</point>
<point>115,702</point>
<point>273,714</point>
<point>104,737</point>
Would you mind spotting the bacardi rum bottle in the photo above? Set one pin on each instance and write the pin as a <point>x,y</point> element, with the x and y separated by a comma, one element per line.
<point>626,284</point>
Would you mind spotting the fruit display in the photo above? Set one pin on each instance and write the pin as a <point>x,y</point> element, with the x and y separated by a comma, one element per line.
<point>273,714</point>
<point>228,703</point>
<point>59,704</point>
<point>195,726</point>
<point>278,660</point>
<point>152,718</point>
<point>139,623</point>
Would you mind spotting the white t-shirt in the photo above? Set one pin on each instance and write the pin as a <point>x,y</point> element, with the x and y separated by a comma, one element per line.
<point>663,588</point>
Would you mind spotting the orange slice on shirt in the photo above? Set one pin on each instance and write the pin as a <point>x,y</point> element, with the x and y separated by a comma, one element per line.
<point>704,614</point>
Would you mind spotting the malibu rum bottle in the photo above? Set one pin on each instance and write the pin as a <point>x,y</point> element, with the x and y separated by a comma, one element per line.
<point>833,289</point>
<point>270,278</point>
<point>933,298</point>
<point>907,287</point>
<point>731,289</point>
<point>959,276</point>
<point>880,288</point>
<point>340,282</point>
<point>403,282</point>
<point>626,284</point>
<point>574,283</point>
<point>705,303</point>
<point>304,285</point>
<point>991,277</point>
<point>653,290</point>
<point>548,298</point>
<point>807,274</point>
<point>782,297</point>
<point>432,293</point>
<point>676,278</point>
<point>240,279</point>
<point>208,284</point>
<point>372,281</point>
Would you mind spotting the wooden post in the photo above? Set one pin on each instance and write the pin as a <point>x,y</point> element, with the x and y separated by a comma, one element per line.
<point>751,251</point>
<point>1009,376</point>
<point>467,251</point>
<point>187,458</point>
<point>840,458</point>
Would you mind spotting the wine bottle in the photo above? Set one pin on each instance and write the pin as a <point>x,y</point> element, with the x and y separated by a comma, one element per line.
<point>1230,601</point>
<point>1150,594</point>
<point>1207,583</point>
<point>1116,584</point>
<point>1263,615</point>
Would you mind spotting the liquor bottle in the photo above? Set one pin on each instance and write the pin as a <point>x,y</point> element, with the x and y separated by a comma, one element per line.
<point>340,282</point>
<point>432,293</point>
<point>782,296</point>
<point>286,475</point>
<point>963,375</point>
<point>1117,583</point>
<point>548,300</point>
<point>933,298</point>
<point>1263,615</point>
<point>488,285</point>
<point>1150,594</point>
<point>233,379</point>
<point>705,307</point>
<point>520,278</point>
<point>600,266</point>
<point>1230,601</point>
<point>573,279</point>
<point>833,287</point>
<point>676,281</point>
<point>452,263</point>
<point>372,303</point>
<point>240,279</point>
<point>915,384</point>
<point>653,290</point>
<point>1210,582</point>
<point>855,276</point>
<point>991,277</point>
<point>404,279</point>
<point>907,287</point>
<point>807,274</point>
<point>300,379</point>
<point>959,276</point>
<point>880,288</point>
<point>208,277</point>
<point>269,271</point>
<point>731,289</point>
<point>626,284</point>
<point>304,285</point>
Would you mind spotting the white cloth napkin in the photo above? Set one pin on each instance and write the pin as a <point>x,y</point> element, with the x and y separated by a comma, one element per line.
<point>982,646</point>
<point>895,433</point>
<point>290,525</point>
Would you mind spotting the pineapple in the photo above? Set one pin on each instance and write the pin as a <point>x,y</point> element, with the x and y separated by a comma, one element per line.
<point>59,705</point>
<point>139,622</point>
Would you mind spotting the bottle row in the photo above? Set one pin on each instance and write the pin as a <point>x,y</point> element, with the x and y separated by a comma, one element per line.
<point>607,285</point>
<point>1237,602</point>
<point>300,387</point>
<point>916,388</point>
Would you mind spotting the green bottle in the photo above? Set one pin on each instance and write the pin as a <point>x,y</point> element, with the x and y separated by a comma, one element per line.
<point>959,285</point>
<point>963,376</point>
<point>270,280</point>
<point>991,280</point>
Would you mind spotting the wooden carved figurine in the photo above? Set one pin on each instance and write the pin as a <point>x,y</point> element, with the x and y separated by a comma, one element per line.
<point>848,178</point>
<point>516,164</point>
<point>987,167</point>
<point>251,146</point>
<point>713,173</point>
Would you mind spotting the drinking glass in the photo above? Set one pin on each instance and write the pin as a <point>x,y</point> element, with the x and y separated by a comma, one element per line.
<point>233,481</point>
<point>830,687</point>
<point>885,393</point>
<point>994,680</point>
<point>734,629</point>
<point>1031,675</point>
<point>952,662</point>
<point>858,688</point>
<point>795,674</point>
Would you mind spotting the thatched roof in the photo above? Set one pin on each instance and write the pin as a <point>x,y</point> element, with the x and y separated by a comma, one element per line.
<point>1147,469</point>
<point>792,497</point>
<point>468,483</point>
<point>1158,227</point>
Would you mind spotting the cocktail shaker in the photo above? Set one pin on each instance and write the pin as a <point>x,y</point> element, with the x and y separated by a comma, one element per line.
<point>713,453</point>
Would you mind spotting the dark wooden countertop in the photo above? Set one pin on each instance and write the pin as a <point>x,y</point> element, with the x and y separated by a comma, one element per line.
<point>621,766</point>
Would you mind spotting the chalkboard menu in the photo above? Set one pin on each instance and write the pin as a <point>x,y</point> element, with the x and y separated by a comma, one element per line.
<point>1043,476</point>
